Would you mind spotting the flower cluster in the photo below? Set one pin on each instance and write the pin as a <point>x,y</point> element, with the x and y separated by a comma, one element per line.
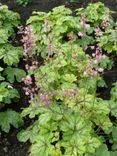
<point>106,21</point>
<point>90,70</point>
<point>32,67</point>
<point>28,39</point>
<point>46,98</point>
<point>46,25</point>
<point>30,89</point>
<point>80,34</point>
<point>97,58</point>
<point>50,49</point>
<point>98,32</point>
<point>83,23</point>
<point>71,93</point>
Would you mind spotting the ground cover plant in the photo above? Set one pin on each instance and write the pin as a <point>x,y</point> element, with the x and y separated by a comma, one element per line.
<point>71,119</point>
<point>9,59</point>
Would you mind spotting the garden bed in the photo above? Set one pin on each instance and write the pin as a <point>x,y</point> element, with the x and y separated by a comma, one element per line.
<point>9,145</point>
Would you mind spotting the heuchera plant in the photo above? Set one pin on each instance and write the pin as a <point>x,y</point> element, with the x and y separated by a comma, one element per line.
<point>71,120</point>
<point>9,58</point>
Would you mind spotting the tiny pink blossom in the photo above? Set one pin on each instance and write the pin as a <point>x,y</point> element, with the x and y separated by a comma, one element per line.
<point>80,34</point>
<point>85,48</point>
<point>95,73</point>
<point>44,99</point>
<point>27,66</point>
<point>106,21</point>
<point>50,46</point>
<point>98,32</point>
<point>103,56</point>
<point>28,80</point>
<point>95,61</point>
<point>82,22</point>
<point>92,47</point>
<point>33,67</point>
<point>93,55</point>
<point>27,93</point>
<point>100,70</point>
<point>87,26</point>
<point>28,39</point>
<point>85,73</point>
<point>70,93</point>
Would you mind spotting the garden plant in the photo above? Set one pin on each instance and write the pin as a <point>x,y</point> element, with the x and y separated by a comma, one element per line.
<point>9,59</point>
<point>70,118</point>
<point>66,55</point>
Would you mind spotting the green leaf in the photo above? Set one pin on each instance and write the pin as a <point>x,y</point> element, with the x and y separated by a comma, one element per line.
<point>42,147</point>
<point>2,78</point>
<point>8,118</point>
<point>70,78</point>
<point>114,133</point>
<point>10,54</point>
<point>3,36</point>
<point>1,69</point>
<point>114,92</point>
<point>113,153</point>
<point>44,118</point>
<point>3,93</point>
<point>112,105</point>
<point>24,135</point>
<point>29,134</point>
<point>8,92</point>
<point>12,95</point>
<point>13,73</point>
<point>114,146</point>
<point>101,151</point>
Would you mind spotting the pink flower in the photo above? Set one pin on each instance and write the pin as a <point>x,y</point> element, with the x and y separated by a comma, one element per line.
<point>93,55</point>
<point>28,39</point>
<point>50,46</point>
<point>87,26</point>
<point>92,47</point>
<point>46,25</point>
<point>83,23</point>
<point>98,54</point>
<point>28,80</point>
<point>106,21</point>
<point>95,61</point>
<point>103,56</point>
<point>44,99</point>
<point>98,32</point>
<point>27,93</point>
<point>27,66</point>
<point>70,93</point>
<point>100,70</point>
<point>33,67</point>
<point>85,73</point>
<point>80,34</point>
<point>95,73</point>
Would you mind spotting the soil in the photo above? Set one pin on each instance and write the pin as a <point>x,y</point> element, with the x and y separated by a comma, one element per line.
<point>9,145</point>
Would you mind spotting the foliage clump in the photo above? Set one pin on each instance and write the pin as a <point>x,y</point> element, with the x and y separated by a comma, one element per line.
<point>9,59</point>
<point>71,120</point>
